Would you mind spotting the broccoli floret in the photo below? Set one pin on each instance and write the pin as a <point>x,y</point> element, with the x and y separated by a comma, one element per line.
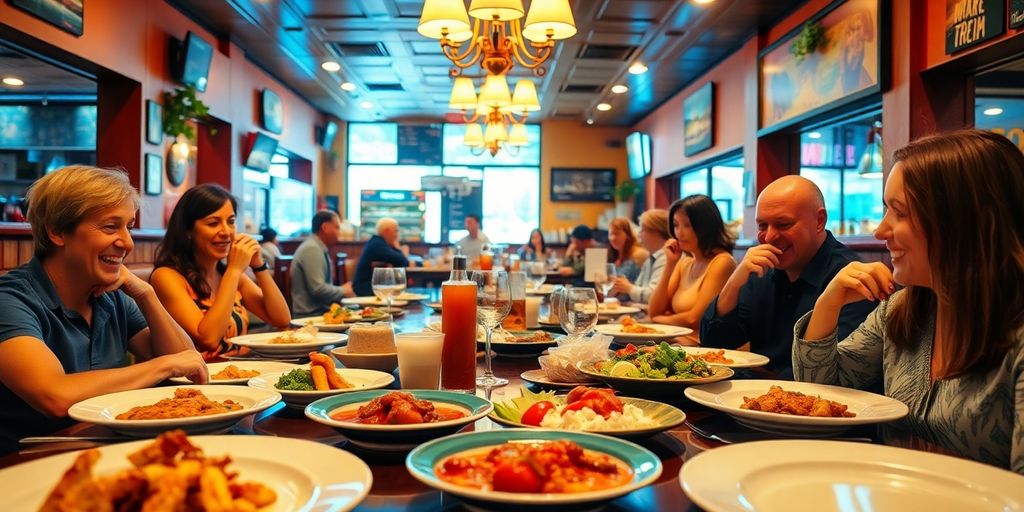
<point>296,380</point>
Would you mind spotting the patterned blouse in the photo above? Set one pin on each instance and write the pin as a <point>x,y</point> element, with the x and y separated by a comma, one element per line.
<point>237,325</point>
<point>980,417</point>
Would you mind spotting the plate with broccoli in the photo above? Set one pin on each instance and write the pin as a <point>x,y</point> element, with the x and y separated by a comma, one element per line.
<point>653,371</point>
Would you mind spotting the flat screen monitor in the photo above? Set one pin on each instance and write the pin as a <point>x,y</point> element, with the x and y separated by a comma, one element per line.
<point>638,154</point>
<point>196,55</point>
<point>262,149</point>
<point>330,130</point>
<point>292,206</point>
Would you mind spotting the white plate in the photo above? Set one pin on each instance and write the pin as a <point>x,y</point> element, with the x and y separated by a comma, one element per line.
<point>311,476</point>
<point>372,301</point>
<point>545,289</point>
<point>103,409</point>
<point>360,379</point>
<point>409,296</point>
<point>740,359</point>
<point>728,397</point>
<point>263,367</point>
<point>604,310</point>
<point>811,475</point>
<point>666,332</point>
<point>318,322</point>
<point>260,343</point>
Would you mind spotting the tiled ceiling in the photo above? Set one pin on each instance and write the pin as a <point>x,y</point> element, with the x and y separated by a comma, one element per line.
<point>405,76</point>
<point>42,79</point>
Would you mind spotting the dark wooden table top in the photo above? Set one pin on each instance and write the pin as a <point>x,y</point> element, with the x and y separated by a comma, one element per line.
<point>395,489</point>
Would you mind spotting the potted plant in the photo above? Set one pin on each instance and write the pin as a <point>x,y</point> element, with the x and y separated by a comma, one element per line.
<point>624,193</point>
<point>180,107</point>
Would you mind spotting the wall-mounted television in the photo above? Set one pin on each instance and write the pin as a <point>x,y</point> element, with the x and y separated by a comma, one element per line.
<point>261,149</point>
<point>638,154</point>
<point>194,61</point>
<point>327,134</point>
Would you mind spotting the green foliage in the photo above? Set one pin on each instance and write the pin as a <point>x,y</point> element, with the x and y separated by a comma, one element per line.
<point>625,191</point>
<point>296,380</point>
<point>180,107</point>
<point>810,39</point>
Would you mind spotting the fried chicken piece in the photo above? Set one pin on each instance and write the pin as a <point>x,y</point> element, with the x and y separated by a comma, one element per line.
<point>165,449</point>
<point>125,490</point>
<point>79,473</point>
<point>214,494</point>
<point>166,494</point>
<point>779,401</point>
<point>257,494</point>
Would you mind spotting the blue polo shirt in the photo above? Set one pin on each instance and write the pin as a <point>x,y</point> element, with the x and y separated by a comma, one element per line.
<point>31,307</point>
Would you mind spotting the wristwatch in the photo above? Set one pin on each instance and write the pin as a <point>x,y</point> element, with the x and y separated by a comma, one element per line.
<point>260,268</point>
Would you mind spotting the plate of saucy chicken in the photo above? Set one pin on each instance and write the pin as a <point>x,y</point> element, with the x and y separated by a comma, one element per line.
<point>519,468</point>
<point>397,420</point>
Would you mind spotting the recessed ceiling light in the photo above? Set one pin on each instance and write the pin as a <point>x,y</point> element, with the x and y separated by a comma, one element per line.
<point>590,120</point>
<point>992,111</point>
<point>366,104</point>
<point>619,89</point>
<point>604,107</point>
<point>703,1</point>
<point>348,86</point>
<point>638,68</point>
<point>814,135</point>
<point>10,80</point>
<point>330,65</point>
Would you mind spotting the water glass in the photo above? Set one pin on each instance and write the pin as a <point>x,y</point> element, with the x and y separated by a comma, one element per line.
<point>537,273</point>
<point>388,283</point>
<point>605,278</point>
<point>577,311</point>
<point>419,359</point>
<point>493,302</point>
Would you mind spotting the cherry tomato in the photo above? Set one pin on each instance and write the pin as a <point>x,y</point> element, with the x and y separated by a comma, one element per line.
<point>536,412</point>
<point>630,349</point>
<point>517,476</point>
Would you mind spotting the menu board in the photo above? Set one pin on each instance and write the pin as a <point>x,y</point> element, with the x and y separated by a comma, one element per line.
<point>455,207</point>
<point>405,206</point>
<point>419,144</point>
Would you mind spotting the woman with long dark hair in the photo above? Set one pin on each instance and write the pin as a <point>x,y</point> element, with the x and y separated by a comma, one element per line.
<point>698,261</point>
<point>950,344</point>
<point>200,267</point>
<point>536,249</point>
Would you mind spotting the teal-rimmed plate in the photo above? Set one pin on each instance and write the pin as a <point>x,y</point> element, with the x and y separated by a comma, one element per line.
<point>421,462</point>
<point>658,388</point>
<point>397,437</point>
<point>664,417</point>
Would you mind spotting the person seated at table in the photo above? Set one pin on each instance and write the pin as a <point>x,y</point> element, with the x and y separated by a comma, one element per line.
<point>950,344</point>
<point>536,249</point>
<point>73,313</point>
<point>269,248</point>
<point>474,242</point>
<point>623,249</point>
<point>200,267</point>
<point>779,280</point>
<point>654,232</point>
<point>382,250</point>
<point>313,290</point>
<point>698,260</point>
<point>581,239</point>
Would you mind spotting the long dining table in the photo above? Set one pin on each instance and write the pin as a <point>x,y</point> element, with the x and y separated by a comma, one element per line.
<point>395,489</point>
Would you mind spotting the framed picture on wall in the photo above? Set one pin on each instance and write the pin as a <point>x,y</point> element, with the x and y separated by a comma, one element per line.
<point>271,111</point>
<point>154,122</point>
<point>1015,13</point>
<point>574,184</point>
<point>64,14</point>
<point>154,174</point>
<point>699,120</point>
<point>836,58</point>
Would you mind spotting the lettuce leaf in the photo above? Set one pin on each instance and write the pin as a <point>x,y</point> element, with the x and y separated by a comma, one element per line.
<point>513,409</point>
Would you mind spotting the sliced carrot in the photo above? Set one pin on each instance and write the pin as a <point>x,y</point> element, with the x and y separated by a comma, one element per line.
<point>333,379</point>
<point>319,377</point>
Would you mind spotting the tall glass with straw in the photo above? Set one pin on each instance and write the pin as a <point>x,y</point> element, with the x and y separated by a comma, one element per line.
<point>493,302</point>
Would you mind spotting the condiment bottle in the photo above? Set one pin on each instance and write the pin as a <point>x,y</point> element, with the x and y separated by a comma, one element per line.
<point>458,323</point>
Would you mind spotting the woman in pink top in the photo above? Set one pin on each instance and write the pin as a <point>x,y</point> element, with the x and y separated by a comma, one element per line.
<point>698,261</point>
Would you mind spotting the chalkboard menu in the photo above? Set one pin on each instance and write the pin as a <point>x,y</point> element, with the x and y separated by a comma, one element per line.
<point>455,207</point>
<point>419,144</point>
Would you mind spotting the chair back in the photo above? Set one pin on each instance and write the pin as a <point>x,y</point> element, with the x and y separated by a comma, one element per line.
<point>283,277</point>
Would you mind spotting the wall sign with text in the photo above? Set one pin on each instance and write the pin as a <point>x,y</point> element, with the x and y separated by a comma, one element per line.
<point>969,22</point>
<point>1016,13</point>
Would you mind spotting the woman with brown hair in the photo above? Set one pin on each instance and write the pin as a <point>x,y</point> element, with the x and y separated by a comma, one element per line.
<point>623,250</point>
<point>949,345</point>
<point>698,261</point>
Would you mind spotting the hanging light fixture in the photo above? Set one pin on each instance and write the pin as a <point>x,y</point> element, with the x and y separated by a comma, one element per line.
<point>496,38</point>
<point>871,161</point>
<point>503,114</point>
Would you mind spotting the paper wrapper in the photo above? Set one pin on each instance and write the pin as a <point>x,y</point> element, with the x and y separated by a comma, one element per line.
<point>559,364</point>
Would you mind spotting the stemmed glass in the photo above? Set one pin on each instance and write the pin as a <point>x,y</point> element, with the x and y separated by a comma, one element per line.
<point>388,283</point>
<point>577,311</point>
<point>537,273</point>
<point>605,278</point>
<point>493,302</point>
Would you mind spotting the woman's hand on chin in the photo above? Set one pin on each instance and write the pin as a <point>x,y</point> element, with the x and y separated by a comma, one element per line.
<point>131,284</point>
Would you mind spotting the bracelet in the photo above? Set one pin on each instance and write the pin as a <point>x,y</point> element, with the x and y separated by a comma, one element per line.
<point>260,268</point>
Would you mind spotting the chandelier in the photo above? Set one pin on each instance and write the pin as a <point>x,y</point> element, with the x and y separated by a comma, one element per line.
<point>497,39</point>
<point>502,114</point>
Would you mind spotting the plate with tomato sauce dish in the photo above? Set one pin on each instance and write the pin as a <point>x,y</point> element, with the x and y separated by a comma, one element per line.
<point>397,420</point>
<point>521,474</point>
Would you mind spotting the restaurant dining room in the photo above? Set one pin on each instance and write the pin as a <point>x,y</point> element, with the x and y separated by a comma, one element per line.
<point>693,255</point>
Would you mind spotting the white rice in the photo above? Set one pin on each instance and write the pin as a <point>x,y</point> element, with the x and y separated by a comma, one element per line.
<point>632,417</point>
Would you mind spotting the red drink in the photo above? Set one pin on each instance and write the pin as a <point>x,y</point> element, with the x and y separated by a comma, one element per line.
<point>516,319</point>
<point>486,262</point>
<point>458,323</point>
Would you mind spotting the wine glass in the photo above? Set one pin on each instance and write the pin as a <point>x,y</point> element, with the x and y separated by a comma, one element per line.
<point>605,278</point>
<point>577,311</point>
<point>493,302</point>
<point>388,283</point>
<point>537,273</point>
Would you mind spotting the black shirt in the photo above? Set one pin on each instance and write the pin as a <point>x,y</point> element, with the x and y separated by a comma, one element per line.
<point>768,307</point>
<point>375,253</point>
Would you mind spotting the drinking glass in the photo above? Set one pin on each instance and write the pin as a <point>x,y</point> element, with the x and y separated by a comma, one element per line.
<point>493,302</point>
<point>605,278</point>
<point>577,311</point>
<point>388,283</point>
<point>537,273</point>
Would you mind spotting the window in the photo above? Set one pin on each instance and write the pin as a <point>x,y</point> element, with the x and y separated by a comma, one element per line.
<point>722,182</point>
<point>844,160</point>
<point>381,177</point>
<point>372,143</point>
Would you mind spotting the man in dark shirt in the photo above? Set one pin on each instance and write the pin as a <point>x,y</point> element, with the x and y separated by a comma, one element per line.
<point>381,250</point>
<point>796,259</point>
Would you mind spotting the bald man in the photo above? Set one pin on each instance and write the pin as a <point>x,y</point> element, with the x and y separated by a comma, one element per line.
<point>779,280</point>
<point>381,250</point>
